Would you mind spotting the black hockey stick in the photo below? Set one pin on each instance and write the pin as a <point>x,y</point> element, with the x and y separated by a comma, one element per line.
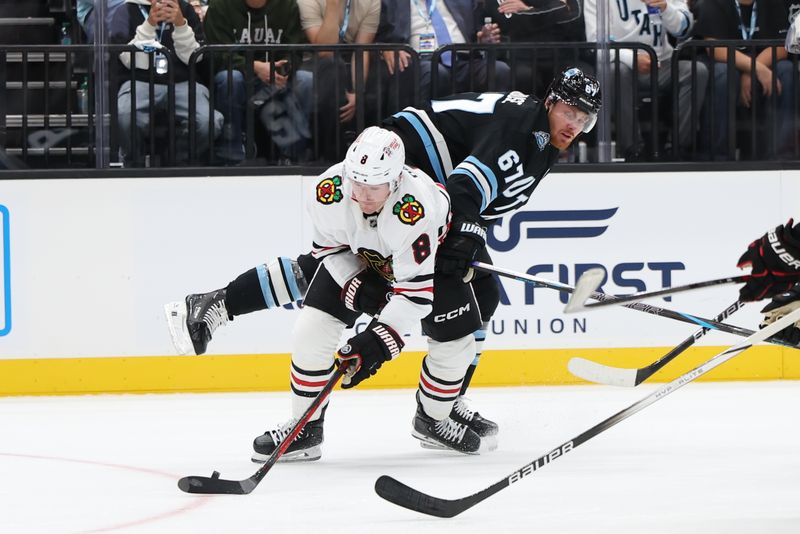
<point>590,281</point>
<point>638,306</point>
<point>407,497</point>
<point>216,485</point>
<point>626,377</point>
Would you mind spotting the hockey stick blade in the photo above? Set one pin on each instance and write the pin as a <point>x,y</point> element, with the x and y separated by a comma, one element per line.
<point>584,287</point>
<point>638,306</point>
<point>626,377</point>
<point>216,485</point>
<point>407,497</point>
<point>398,493</point>
<point>599,373</point>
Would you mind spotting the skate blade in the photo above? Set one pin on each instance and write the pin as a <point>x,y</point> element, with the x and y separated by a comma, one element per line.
<point>307,455</point>
<point>175,313</point>
<point>427,443</point>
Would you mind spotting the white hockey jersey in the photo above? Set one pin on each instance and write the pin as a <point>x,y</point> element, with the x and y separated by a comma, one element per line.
<point>628,21</point>
<point>399,243</point>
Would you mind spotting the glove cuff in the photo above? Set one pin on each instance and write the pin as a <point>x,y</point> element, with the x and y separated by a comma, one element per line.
<point>470,229</point>
<point>390,339</point>
<point>349,292</point>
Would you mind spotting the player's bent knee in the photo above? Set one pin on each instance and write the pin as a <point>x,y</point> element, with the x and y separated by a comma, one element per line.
<point>315,339</point>
<point>449,360</point>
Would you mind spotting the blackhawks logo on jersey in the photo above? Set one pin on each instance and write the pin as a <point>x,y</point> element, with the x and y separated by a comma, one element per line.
<point>409,210</point>
<point>376,262</point>
<point>329,190</point>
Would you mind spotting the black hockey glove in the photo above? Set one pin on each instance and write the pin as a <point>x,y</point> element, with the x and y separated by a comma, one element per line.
<point>366,292</point>
<point>781,305</point>
<point>774,258</point>
<point>367,351</point>
<point>462,244</point>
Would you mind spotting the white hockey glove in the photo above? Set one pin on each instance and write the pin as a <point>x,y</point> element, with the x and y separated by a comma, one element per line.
<point>781,305</point>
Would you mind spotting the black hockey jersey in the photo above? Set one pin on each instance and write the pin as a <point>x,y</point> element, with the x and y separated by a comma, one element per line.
<point>489,149</point>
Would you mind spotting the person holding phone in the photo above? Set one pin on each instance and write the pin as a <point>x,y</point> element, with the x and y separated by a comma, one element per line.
<point>166,32</point>
<point>427,25</point>
<point>282,92</point>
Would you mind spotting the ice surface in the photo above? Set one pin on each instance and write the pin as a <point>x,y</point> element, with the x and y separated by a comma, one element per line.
<point>711,458</point>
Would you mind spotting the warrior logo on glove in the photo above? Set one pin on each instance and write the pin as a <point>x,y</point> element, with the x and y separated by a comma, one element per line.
<point>462,244</point>
<point>367,292</point>
<point>366,352</point>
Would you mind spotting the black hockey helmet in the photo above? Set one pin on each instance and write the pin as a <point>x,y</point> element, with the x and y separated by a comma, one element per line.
<point>575,88</point>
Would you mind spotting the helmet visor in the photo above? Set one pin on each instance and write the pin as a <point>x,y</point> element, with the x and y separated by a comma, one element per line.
<point>583,120</point>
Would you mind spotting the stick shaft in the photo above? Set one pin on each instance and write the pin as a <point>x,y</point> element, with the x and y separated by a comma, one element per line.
<point>408,497</point>
<point>301,423</point>
<point>622,299</point>
<point>638,306</point>
<point>627,377</point>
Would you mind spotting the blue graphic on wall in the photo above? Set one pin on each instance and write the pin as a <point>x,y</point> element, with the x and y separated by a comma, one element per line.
<point>5,282</point>
<point>551,232</point>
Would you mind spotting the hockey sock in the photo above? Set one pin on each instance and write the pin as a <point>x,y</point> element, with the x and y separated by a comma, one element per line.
<point>269,285</point>
<point>480,337</point>
<point>243,295</point>
<point>468,376</point>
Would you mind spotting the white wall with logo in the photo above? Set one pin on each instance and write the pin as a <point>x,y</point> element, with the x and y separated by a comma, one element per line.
<point>88,264</point>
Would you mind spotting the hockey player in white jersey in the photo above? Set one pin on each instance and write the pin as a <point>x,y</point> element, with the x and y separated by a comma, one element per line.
<point>374,216</point>
<point>470,143</point>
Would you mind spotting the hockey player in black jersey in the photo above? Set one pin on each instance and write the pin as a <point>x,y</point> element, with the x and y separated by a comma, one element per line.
<point>490,150</point>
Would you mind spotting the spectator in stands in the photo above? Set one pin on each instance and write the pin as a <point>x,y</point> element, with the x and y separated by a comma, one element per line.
<point>541,21</point>
<point>330,22</point>
<point>282,95</point>
<point>631,22</point>
<point>86,15</point>
<point>167,27</point>
<point>743,19</point>
<point>792,9</point>
<point>200,7</point>
<point>426,25</point>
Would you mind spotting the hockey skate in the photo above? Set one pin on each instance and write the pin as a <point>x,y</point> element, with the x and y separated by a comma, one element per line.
<point>306,447</point>
<point>193,322</point>
<point>461,413</point>
<point>445,434</point>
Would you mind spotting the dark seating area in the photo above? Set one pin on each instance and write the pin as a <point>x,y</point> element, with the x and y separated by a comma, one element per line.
<point>43,122</point>
<point>50,106</point>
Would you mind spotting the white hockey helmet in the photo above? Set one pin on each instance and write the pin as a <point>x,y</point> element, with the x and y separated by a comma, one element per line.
<point>376,157</point>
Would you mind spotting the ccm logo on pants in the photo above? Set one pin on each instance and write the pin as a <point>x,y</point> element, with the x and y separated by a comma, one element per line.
<point>452,314</point>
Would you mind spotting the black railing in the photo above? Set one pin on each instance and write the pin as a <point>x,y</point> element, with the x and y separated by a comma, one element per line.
<point>754,130</point>
<point>43,122</point>
<point>333,70</point>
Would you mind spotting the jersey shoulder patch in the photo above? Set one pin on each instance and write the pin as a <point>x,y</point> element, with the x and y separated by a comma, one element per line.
<point>542,139</point>
<point>329,190</point>
<point>409,210</point>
